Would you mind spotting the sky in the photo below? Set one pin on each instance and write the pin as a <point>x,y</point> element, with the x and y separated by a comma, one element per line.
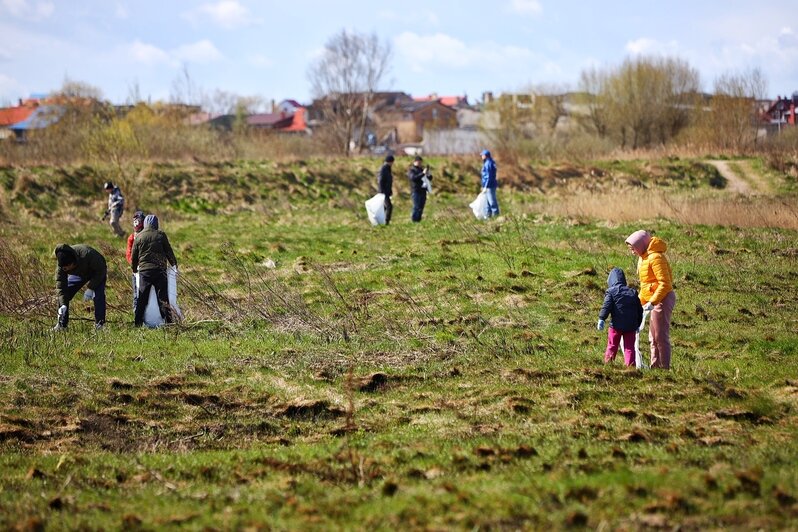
<point>464,47</point>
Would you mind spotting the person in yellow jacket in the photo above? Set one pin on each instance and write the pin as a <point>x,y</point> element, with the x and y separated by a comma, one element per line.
<point>656,293</point>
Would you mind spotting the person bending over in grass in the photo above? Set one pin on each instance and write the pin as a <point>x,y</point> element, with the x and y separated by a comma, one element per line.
<point>620,302</point>
<point>80,265</point>
<point>149,257</point>
<point>656,293</point>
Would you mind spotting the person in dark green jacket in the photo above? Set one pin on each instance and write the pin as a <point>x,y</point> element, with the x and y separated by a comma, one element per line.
<point>80,265</point>
<point>149,258</point>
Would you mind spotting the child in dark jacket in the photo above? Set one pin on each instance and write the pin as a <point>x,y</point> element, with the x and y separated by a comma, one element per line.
<point>620,302</point>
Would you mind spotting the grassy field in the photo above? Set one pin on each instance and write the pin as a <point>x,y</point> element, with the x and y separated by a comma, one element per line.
<point>438,375</point>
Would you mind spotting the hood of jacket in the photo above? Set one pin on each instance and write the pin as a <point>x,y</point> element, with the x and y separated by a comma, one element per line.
<point>639,240</point>
<point>657,245</point>
<point>151,222</point>
<point>616,278</point>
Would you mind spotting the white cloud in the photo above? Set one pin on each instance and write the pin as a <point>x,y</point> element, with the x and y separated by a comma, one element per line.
<point>646,46</point>
<point>441,50</point>
<point>526,7</point>
<point>28,10</point>
<point>228,14</point>
<point>121,11</point>
<point>147,53</point>
<point>202,51</point>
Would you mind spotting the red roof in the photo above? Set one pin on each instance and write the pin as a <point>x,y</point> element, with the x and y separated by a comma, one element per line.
<point>274,120</point>
<point>450,101</point>
<point>298,122</point>
<point>12,115</point>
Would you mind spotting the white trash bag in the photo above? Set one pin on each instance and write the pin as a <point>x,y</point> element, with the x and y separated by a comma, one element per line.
<point>480,206</point>
<point>426,183</point>
<point>375,208</point>
<point>639,364</point>
<point>152,314</point>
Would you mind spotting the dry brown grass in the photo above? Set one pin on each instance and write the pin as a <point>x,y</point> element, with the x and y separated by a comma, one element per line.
<point>632,205</point>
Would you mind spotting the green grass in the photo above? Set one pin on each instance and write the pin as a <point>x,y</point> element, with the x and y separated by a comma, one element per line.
<point>441,375</point>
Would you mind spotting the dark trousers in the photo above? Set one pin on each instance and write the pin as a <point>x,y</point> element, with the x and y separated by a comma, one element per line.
<point>153,279</point>
<point>419,200</point>
<point>388,209</point>
<point>74,284</point>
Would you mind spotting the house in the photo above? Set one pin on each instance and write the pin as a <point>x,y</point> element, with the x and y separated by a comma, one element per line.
<point>409,120</point>
<point>781,112</point>
<point>456,102</point>
<point>13,115</point>
<point>289,116</point>
<point>42,117</point>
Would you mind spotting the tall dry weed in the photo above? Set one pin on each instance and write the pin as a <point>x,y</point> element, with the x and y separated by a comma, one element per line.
<point>26,286</point>
<point>629,206</point>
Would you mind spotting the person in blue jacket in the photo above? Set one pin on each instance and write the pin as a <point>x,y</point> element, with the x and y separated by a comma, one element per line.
<point>489,182</point>
<point>620,302</point>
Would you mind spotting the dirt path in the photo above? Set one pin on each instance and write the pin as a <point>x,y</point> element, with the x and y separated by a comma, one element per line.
<point>742,178</point>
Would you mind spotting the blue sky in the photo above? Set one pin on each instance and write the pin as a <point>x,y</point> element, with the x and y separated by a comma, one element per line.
<point>449,47</point>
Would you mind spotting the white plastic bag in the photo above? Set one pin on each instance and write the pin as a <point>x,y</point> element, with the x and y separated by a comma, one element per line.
<point>375,208</point>
<point>152,314</point>
<point>426,183</point>
<point>639,364</point>
<point>480,206</point>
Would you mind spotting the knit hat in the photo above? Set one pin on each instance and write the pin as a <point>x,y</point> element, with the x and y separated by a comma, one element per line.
<point>639,241</point>
<point>418,158</point>
<point>389,158</point>
<point>138,221</point>
<point>151,221</point>
<point>65,255</point>
<point>108,184</point>
<point>486,153</point>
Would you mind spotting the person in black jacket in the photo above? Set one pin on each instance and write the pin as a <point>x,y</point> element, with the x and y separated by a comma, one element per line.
<point>149,257</point>
<point>80,265</point>
<point>620,302</point>
<point>416,174</point>
<point>385,185</point>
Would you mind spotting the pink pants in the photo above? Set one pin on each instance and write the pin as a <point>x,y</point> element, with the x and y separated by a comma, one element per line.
<point>613,342</point>
<point>659,332</point>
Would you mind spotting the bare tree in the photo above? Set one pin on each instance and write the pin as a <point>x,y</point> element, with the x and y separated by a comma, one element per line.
<point>184,89</point>
<point>645,101</point>
<point>343,81</point>
<point>734,111</point>
<point>225,102</point>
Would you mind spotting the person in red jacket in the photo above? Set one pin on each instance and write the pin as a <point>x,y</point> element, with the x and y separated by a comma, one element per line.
<point>138,225</point>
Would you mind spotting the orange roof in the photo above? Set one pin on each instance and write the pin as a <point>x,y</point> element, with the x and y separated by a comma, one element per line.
<point>12,115</point>
<point>298,121</point>
<point>450,101</point>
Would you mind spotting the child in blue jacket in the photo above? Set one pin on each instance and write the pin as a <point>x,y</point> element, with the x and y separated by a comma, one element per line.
<point>620,302</point>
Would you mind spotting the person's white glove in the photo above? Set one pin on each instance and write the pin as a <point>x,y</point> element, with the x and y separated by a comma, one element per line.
<point>648,307</point>
<point>600,325</point>
<point>88,294</point>
<point>62,310</point>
